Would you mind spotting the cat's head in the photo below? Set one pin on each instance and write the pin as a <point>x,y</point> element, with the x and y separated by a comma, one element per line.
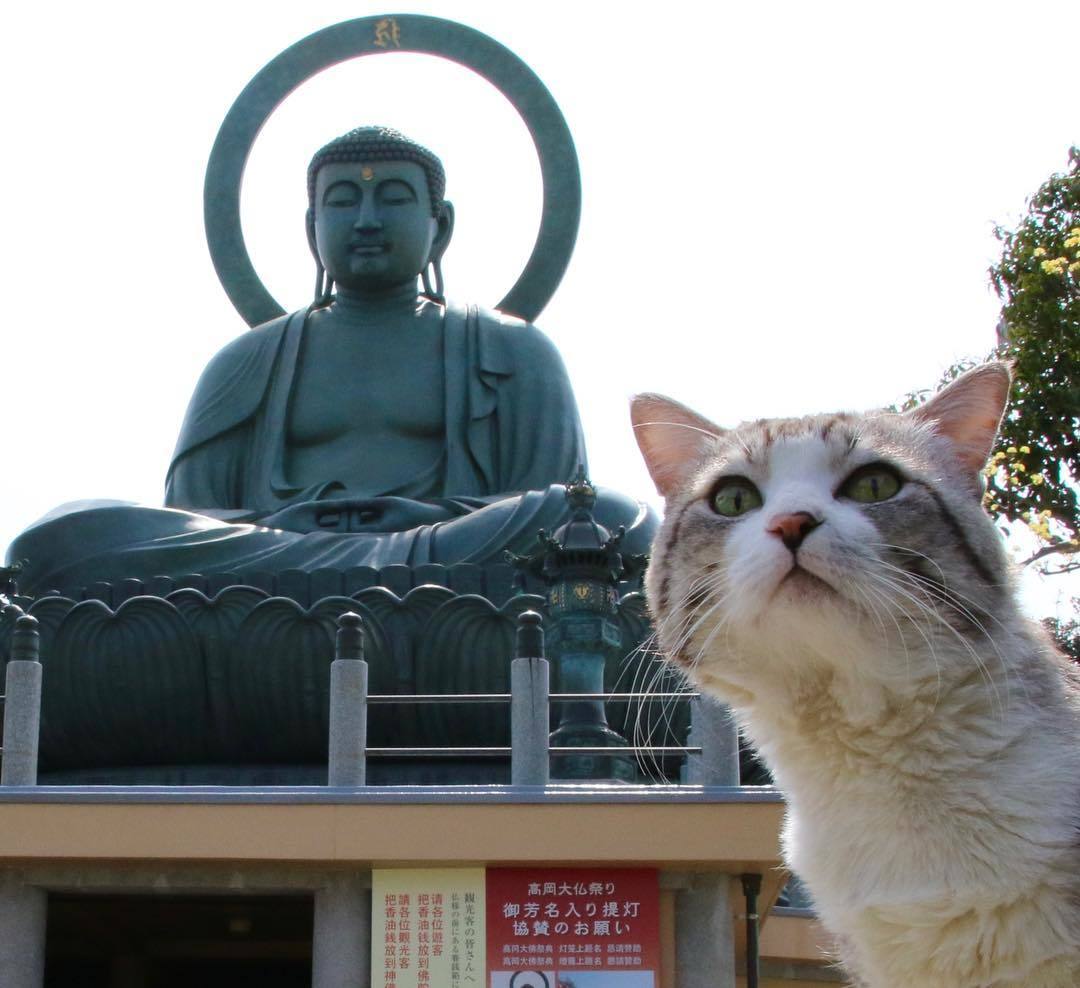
<point>833,542</point>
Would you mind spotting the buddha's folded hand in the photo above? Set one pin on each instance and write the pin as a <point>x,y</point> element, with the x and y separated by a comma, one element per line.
<point>365,514</point>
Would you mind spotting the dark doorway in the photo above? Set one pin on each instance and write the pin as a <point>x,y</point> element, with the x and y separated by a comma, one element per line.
<point>151,941</point>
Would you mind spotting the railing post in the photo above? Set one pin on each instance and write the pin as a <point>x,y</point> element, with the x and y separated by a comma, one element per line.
<point>713,728</point>
<point>22,706</point>
<point>348,705</point>
<point>529,705</point>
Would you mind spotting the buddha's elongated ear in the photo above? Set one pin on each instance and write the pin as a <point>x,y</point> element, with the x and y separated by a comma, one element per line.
<point>968,412</point>
<point>444,230</point>
<point>309,220</point>
<point>672,438</point>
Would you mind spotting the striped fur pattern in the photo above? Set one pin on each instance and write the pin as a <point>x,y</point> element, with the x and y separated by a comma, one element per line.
<point>926,734</point>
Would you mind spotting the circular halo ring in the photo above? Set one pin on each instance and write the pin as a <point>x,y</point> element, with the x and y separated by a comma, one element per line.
<point>375,36</point>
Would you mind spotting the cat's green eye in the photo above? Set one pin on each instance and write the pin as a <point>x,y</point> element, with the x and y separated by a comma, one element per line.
<point>871,484</point>
<point>735,497</point>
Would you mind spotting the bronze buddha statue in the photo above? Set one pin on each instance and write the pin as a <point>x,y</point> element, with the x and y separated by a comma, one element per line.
<point>378,425</point>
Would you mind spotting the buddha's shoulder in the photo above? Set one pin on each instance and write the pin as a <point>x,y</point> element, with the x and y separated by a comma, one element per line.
<point>254,342</point>
<point>514,335</point>
<point>249,356</point>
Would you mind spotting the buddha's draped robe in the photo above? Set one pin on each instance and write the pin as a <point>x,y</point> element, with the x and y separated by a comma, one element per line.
<point>513,437</point>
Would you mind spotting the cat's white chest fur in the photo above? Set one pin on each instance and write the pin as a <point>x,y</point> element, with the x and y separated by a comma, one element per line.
<point>929,863</point>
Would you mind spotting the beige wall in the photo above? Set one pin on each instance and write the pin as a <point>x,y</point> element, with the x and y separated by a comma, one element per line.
<point>792,938</point>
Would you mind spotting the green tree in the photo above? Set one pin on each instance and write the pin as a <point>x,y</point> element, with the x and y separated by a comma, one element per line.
<point>1034,474</point>
<point>1036,465</point>
<point>1066,633</point>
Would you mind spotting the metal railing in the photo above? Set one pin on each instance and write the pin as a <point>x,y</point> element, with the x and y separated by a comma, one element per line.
<point>712,751</point>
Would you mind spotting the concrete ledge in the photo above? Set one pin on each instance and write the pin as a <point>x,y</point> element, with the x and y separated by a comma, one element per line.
<point>713,836</point>
<point>304,795</point>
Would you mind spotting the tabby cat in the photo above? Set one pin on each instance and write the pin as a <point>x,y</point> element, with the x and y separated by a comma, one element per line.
<point>836,581</point>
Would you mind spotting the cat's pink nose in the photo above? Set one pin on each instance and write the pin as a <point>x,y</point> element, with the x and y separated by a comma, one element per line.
<point>793,528</point>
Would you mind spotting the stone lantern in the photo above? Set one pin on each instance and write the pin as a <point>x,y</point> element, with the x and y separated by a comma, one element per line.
<point>581,567</point>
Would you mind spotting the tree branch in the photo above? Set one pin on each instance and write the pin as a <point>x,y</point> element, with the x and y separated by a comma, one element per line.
<point>1050,550</point>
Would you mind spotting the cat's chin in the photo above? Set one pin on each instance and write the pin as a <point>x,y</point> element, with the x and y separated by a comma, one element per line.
<point>800,586</point>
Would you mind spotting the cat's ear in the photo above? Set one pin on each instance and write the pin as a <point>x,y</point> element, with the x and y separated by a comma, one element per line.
<point>672,439</point>
<point>968,412</point>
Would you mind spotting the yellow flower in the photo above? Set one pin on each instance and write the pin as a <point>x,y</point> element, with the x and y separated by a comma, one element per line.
<point>1071,241</point>
<point>1025,449</point>
<point>1011,450</point>
<point>1039,252</point>
<point>1074,268</point>
<point>1055,266</point>
<point>1036,479</point>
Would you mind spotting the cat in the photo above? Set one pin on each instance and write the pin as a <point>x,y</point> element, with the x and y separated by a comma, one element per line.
<point>835,580</point>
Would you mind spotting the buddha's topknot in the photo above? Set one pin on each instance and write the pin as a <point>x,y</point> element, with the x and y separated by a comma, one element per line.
<point>380,144</point>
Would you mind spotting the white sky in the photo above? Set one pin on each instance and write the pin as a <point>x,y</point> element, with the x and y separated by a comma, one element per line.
<point>788,207</point>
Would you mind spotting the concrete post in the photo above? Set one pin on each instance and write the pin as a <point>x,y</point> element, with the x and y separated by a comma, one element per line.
<point>712,726</point>
<point>22,707</point>
<point>529,707</point>
<point>348,705</point>
<point>22,933</point>
<point>341,946</point>
<point>704,937</point>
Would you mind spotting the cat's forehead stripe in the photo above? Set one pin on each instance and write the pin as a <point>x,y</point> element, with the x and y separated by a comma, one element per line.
<point>757,437</point>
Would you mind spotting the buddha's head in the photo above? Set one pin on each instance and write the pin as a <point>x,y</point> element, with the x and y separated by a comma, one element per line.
<point>376,216</point>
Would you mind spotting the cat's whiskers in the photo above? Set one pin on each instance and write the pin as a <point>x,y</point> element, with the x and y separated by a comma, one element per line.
<point>868,594</point>
<point>646,666</point>
<point>955,601</point>
<point>712,434</point>
<point>721,594</point>
<point>943,585</point>
<point>941,622</point>
<point>692,619</point>
<point>678,626</point>
<point>906,586</point>
<point>646,734</point>
<point>887,598</point>
<point>686,610</point>
<point>724,624</point>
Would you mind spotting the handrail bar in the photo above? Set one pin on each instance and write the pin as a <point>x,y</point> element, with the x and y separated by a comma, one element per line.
<point>503,752</point>
<point>390,698</point>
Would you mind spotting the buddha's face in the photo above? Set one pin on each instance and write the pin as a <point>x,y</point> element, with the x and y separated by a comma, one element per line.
<point>373,224</point>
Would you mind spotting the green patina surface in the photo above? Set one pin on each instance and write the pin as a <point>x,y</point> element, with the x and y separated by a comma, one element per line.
<point>379,426</point>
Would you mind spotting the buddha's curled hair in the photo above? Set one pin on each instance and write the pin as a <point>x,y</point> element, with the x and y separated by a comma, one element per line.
<point>835,579</point>
<point>380,144</point>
